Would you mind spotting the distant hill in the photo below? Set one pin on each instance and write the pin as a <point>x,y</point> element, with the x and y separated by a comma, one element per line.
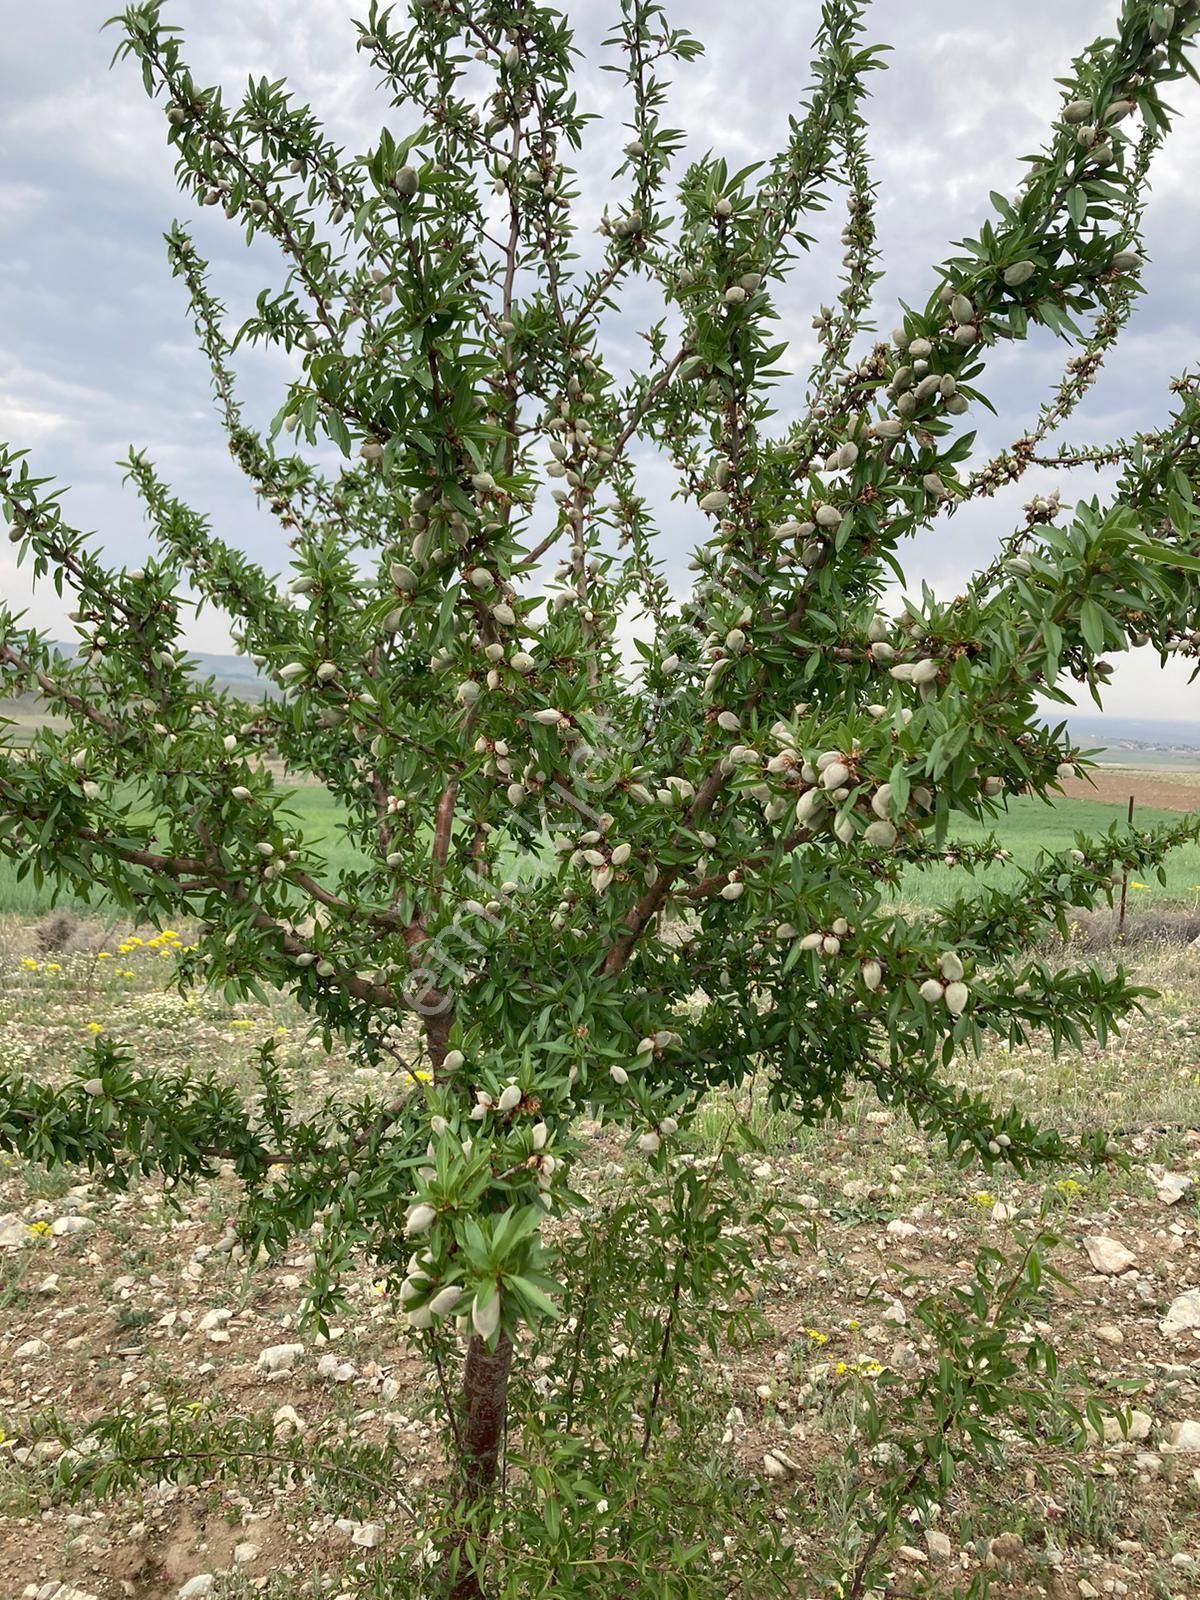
<point>238,674</point>
<point>1138,741</point>
<point>1129,741</point>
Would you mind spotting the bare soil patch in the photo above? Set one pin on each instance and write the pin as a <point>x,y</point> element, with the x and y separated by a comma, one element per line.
<point>1155,788</point>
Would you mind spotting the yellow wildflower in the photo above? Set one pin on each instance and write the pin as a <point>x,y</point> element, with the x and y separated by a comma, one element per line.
<point>841,1369</point>
<point>421,1077</point>
<point>103,955</point>
<point>94,1027</point>
<point>53,966</point>
<point>126,972</point>
<point>1069,1187</point>
<point>40,1230</point>
<point>1134,884</point>
<point>854,1324</point>
<point>242,1022</point>
<point>817,1336</point>
<point>983,1197</point>
<point>29,964</point>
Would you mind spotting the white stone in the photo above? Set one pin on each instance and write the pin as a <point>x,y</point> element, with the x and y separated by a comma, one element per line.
<point>894,1312</point>
<point>899,1229</point>
<point>1110,1333</point>
<point>31,1347</point>
<point>1139,1426</point>
<point>1171,1187</point>
<point>1183,1313</point>
<point>287,1422</point>
<point>201,1584</point>
<point>14,1235</point>
<point>938,1544</point>
<point>243,1554</point>
<point>279,1357</point>
<point>1107,1255</point>
<point>49,1284</point>
<point>1114,1434</point>
<point>64,1225</point>
<point>367,1534</point>
<point>214,1319</point>
<point>1186,1435</point>
<point>339,1371</point>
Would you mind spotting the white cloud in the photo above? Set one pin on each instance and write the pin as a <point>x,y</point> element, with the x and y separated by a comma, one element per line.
<point>30,423</point>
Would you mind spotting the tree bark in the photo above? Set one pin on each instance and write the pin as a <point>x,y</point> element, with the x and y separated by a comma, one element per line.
<point>485,1405</point>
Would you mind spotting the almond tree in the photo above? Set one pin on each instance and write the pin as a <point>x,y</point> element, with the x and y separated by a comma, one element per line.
<point>584,880</point>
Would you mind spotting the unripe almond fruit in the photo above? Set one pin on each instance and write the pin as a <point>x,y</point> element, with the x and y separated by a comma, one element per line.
<point>881,834</point>
<point>950,967</point>
<point>485,1319</point>
<point>1020,272</point>
<point>957,995</point>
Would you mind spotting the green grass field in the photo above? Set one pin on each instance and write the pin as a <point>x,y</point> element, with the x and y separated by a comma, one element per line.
<point>1028,827</point>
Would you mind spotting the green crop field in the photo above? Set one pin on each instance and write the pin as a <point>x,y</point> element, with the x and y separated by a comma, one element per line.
<point>1028,826</point>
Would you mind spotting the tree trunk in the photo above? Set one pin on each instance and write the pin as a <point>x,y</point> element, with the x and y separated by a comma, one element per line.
<point>485,1403</point>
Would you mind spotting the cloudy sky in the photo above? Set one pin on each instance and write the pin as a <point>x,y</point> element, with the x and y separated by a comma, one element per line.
<point>96,352</point>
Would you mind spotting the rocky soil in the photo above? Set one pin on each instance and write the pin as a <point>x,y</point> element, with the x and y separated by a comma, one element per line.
<point>118,1298</point>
